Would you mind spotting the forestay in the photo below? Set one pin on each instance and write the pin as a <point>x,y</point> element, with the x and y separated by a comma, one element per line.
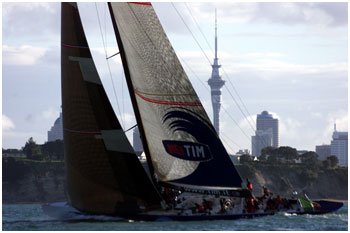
<point>177,134</point>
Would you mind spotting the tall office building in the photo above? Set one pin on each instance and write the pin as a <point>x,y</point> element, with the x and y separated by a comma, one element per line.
<point>323,151</point>
<point>339,146</point>
<point>56,131</point>
<point>137,144</point>
<point>216,83</point>
<point>265,121</point>
<point>262,139</point>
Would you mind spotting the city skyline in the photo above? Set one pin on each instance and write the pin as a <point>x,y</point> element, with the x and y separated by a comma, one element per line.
<point>287,58</point>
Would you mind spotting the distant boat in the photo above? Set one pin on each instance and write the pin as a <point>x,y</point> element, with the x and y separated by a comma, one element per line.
<point>192,176</point>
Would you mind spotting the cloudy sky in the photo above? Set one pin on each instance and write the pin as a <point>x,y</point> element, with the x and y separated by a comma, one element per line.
<point>287,58</point>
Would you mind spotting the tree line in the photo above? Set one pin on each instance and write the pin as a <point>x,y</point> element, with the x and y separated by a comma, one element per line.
<point>289,155</point>
<point>48,151</point>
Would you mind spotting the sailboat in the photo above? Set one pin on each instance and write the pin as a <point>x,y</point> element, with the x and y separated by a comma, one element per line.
<point>192,176</point>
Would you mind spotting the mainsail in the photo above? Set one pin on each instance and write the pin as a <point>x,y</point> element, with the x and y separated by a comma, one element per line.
<point>103,173</point>
<point>178,137</point>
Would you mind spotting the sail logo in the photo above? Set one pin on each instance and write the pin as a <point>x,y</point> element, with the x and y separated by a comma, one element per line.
<point>187,150</point>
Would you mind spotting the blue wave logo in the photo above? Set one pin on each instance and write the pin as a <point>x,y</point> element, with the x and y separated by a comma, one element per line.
<point>218,170</point>
<point>190,122</point>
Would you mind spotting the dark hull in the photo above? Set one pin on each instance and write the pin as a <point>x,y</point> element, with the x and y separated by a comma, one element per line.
<point>67,213</point>
<point>197,217</point>
<point>327,207</point>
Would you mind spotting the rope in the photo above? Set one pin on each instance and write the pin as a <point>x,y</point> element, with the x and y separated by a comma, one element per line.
<point>248,119</point>
<point>109,68</point>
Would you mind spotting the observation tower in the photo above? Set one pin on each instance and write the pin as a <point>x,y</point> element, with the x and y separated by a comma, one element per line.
<point>216,83</point>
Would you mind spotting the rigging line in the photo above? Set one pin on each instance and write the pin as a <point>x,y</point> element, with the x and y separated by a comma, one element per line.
<point>190,32</point>
<point>228,138</point>
<point>210,64</point>
<point>235,122</point>
<point>244,106</point>
<point>156,50</point>
<point>247,118</point>
<point>222,68</point>
<point>225,144</point>
<point>205,38</point>
<point>239,108</point>
<point>209,90</point>
<point>206,87</point>
<point>189,67</point>
<point>123,94</point>
<point>109,68</point>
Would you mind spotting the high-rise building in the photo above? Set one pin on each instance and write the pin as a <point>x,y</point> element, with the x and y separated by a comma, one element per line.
<point>262,139</point>
<point>216,83</point>
<point>323,151</point>
<point>56,131</point>
<point>137,144</point>
<point>265,121</point>
<point>339,146</point>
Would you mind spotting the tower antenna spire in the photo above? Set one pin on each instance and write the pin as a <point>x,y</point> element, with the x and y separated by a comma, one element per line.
<point>216,36</point>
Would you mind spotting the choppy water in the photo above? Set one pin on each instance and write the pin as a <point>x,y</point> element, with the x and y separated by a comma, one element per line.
<point>30,217</point>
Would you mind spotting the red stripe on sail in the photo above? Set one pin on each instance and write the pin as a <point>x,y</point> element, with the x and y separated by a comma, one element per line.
<point>141,3</point>
<point>167,102</point>
<point>74,46</point>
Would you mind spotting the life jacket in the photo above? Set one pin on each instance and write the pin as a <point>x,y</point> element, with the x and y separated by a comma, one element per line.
<point>250,186</point>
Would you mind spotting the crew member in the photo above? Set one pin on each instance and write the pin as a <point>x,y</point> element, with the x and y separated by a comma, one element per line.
<point>249,185</point>
<point>266,192</point>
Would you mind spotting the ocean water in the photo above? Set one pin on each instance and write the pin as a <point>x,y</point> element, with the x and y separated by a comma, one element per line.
<point>30,217</point>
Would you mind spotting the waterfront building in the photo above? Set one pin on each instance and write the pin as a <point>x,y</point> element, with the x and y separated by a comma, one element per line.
<point>216,83</point>
<point>339,146</point>
<point>56,131</point>
<point>301,152</point>
<point>323,151</point>
<point>265,121</point>
<point>262,139</point>
<point>242,152</point>
<point>137,144</point>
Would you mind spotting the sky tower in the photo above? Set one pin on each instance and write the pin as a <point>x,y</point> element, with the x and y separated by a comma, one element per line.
<point>216,83</point>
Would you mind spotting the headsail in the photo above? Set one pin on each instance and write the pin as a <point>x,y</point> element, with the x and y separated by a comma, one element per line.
<point>177,134</point>
<point>103,173</point>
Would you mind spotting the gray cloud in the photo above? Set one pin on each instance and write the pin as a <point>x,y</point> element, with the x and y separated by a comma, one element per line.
<point>328,14</point>
<point>338,11</point>
<point>30,20</point>
<point>170,19</point>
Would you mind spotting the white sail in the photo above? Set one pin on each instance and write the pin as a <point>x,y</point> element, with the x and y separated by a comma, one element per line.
<point>177,133</point>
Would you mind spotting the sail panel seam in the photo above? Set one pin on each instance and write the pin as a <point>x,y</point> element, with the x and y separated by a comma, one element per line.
<point>82,132</point>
